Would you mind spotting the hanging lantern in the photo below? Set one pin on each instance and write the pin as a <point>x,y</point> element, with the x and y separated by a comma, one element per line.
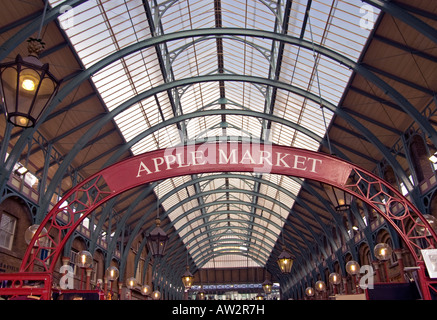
<point>267,286</point>
<point>285,261</point>
<point>187,278</point>
<point>340,199</point>
<point>27,87</point>
<point>157,240</point>
<point>201,294</point>
<point>259,297</point>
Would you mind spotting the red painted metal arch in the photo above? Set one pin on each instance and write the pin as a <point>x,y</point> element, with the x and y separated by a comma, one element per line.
<point>81,200</point>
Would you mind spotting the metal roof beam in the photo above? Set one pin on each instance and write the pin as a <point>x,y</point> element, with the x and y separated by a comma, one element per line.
<point>405,48</point>
<point>398,12</point>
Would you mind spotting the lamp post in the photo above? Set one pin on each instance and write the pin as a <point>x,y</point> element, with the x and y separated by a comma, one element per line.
<point>112,275</point>
<point>84,260</point>
<point>146,290</point>
<point>383,253</point>
<point>353,268</point>
<point>131,284</point>
<point>27,86</point>
<point>334,279</point>
<point>321,288</point>
<point>309,291</point>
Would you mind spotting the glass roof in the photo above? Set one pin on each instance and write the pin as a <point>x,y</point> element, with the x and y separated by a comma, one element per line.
<point>233,219</point>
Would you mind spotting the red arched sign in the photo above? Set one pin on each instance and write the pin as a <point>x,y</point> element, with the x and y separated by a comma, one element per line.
<point>80,201</point>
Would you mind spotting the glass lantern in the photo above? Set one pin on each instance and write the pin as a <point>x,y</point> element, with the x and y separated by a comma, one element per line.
<point>145,290</point>
<point>201,295</point>
<point>259,296</point>
<point>84,259</point>
<point>352,267</point>
<point>285,261</point>
<point>382,251</point>
<point>309,291</point>
<point>267,286</point>
<point>27,87</point>
<point>421,229</point>
<point>30,233</point>
<point>112,273</point>
<point>156,295</point>
<point>320,286</point>
<point>157,240</point>
<point>131,283</point>
<point>187,278</point>
<point>334,278</point>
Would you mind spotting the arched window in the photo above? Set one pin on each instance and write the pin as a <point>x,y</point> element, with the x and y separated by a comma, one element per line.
<point>420,159</point>
<point>390,177</point>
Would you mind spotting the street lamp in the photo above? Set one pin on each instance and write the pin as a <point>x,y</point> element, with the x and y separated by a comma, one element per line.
<point>383,253</point>
<point>320,286</point>
<point>131,283</point>
<point>309,291</point>
<point>27,86</point>
<point>334,279</point>
<point>421,229</point>
<point>112,275</point>
<point>145,290</point>
<point>84,260</point>
<point>353,268</point>
<point>156,295</point>
<point>285,261</point>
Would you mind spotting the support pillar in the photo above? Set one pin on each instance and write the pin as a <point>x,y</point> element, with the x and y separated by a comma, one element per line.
<point>120,285</point>
<point>398,253</point>
<point>345,286</point>
<point>88,278</point>
<point>377,271</point>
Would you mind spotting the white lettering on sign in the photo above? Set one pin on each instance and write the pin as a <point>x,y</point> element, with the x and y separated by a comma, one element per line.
<point>67,280</point>
<point>180,158</point>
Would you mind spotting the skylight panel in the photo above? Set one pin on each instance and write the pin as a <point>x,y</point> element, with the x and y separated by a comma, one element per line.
<point>103,27</point>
